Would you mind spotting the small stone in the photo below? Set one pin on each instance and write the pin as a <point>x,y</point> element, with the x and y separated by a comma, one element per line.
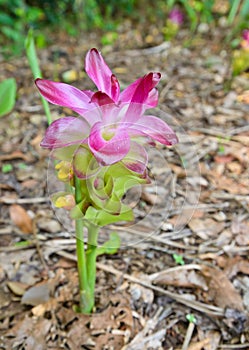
<point>220,216</point>
<point>51,226</point>
<point>36,295</point>
<point>203,28</point>
<point>167,226</point>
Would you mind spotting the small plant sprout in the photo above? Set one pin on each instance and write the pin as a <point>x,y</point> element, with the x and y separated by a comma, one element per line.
<point>7,168</point>
<point>191,318</point>
<point>100,155</point>
<point>178,259</point>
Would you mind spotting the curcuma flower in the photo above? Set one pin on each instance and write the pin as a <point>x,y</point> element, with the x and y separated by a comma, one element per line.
<point>176,16</point>
<point>111,126</point>
<point>245,39</point>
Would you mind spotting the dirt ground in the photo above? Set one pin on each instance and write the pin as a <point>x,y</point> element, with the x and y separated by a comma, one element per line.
<point>180,279</point>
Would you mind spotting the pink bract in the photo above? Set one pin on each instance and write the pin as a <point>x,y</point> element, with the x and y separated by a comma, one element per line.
<point>245,41</point>
<point>111,124</point>
<point>176,16</point>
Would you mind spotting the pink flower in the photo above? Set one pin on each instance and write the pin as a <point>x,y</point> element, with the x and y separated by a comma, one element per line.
<point>176,16</point>
<point>245,35</point>
<point>245,39</point>
<point>112,125</point>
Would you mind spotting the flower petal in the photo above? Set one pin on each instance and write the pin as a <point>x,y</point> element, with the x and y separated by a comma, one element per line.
<point>65,132</point>
<point>64,95</point>
<point>101,74</point>
<point>109,112</point>
<point>152,99</point>
<point>139,90</point>
<point>109,145</point>
<point>137,158</point>
<point>101,99</point>
<point>155,128</point>
<point>140,95</point>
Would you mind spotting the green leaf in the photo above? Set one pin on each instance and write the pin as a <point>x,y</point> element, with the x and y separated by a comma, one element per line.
<point>34,65</point>
<point>22,244</point>
<point>7,96</point>
<point>233,10</point>
<point>111,246</point>
<point>244,11</point>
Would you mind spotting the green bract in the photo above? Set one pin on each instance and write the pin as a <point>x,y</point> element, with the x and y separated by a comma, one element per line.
<point>102,195</point>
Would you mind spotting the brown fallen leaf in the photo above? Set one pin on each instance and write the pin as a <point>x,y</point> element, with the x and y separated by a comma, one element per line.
<point>236,265</point>
<point>18,288</point>
<point>199,345</point>
<point>223,158</point>
<point>244,97</point>
<point>5,299</point>
<point>238,186</point>
<point>20,218</point>
<point>180,276</point>
<point>30,333</point>
<point>206,228</point>
<point>242,139</point>
<point>16,155</point>
<point>235,168</point>
<point>221,290</point>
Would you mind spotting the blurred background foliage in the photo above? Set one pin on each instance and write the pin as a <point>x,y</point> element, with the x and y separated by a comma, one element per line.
<point>75,16</point>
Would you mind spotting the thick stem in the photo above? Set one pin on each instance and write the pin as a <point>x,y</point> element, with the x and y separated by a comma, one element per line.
<point>91,255</point>
<point>86,293</point>
<point>82,269</point>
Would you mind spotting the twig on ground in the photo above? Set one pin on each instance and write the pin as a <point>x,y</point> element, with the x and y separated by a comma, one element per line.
<point>152,237</point>
<point>6,200</point>
<point>205,308</point>
<point>188,336</point>
<point>145,336</point>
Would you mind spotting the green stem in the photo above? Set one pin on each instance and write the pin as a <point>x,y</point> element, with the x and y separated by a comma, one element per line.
<point>91,256</point>
<point>86,297</point>
<point>82,270</point>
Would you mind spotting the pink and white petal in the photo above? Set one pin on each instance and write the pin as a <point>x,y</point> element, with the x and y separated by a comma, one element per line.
<point>129,113</point>
<point>101,74</point>
<point>152,99</point>
<point>64,95</point>
<point>128,92</point>
<point>108,145</point>
<point>154,128</point>
<point>88,93</point>
<point>65,132</point>
<point>115,88</point>
<point>107,110</point>
<point>101,99</point>
<point>137,158</point>
<point>139,90</point>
